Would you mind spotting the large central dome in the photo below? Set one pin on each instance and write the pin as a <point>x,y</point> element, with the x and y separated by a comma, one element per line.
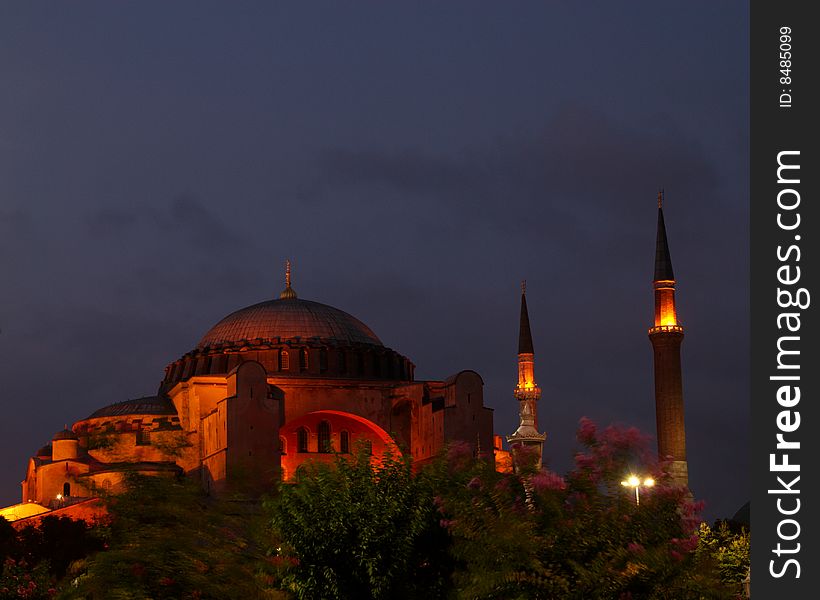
<point>287,318</point>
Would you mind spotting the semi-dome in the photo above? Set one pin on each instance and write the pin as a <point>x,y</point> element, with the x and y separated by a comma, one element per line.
<point>289,317</point>
<point>147,405</point>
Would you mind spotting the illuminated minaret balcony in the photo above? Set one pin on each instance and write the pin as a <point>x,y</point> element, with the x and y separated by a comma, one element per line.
<point>666,316</point>
<point>527,388</point>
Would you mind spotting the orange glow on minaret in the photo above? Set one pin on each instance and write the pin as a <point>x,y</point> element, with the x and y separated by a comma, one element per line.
<point>666,315</point>
<point>666,336</point>
<point>526,354</point>
<point>527,391</point>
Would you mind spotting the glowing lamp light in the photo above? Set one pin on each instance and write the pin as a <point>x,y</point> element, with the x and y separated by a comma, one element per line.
<point>635,482</point>
<point>59,496</point>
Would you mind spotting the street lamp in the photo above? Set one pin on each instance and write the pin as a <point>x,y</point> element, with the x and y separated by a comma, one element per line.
<point>634,481</point>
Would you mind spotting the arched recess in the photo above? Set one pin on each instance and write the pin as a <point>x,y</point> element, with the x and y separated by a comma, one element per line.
<point>361,432</point>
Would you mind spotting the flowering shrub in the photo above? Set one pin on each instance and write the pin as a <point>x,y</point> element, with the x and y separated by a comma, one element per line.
<point>461,528</point>
<point>536,534</point>
<point>18,580</point>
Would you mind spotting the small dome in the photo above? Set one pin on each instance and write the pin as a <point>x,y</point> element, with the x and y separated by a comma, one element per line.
<point>287,318</point>
<point>45,450</point>
<point>65,434</point>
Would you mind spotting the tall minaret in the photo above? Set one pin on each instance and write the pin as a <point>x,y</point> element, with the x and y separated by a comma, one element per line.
<point>666,337</point>
<point>527,391</point>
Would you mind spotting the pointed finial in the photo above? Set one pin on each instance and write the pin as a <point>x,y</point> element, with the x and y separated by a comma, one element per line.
<point>524,333</point>
<point>663,262</point>
<point>288,293</point>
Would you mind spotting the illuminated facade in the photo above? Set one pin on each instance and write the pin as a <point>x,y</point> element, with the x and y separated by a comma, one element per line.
<point>666,336</point>
<point>289,381</point>
<point>527,391</point>
<point>267,389</point>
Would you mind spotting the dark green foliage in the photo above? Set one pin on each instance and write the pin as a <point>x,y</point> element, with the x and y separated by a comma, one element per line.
<point>59,541</point>
<point>8,540</point>
<point>360,530</point>
<point>35,557</point>
<point>169,541</point>
<point>726,546</point>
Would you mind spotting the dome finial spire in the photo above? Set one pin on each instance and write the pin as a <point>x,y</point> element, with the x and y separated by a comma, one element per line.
<point>288,293</point>
<point>660,198</point>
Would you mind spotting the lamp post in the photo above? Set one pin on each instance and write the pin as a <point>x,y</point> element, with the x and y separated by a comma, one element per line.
<point>635,482</point>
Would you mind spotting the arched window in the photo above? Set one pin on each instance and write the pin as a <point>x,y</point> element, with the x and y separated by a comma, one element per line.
<point>283,446</point>
<point>284,361</point>
<point>322,360</point>
<point>303,360</point>
<point>344,442</point>
<point>66,490</point>
<point>342,362</point>
<point>377,365</point>
<point>324,437</point>
<point>106,486</point>
<point>359,363</point>
<point>368,447</point>
<point>301,440</point>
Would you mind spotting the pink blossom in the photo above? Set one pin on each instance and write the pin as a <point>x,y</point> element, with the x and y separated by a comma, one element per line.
<point>586,431</point>
<point>635,548</point>
<point>686,545</point>
<point>676,555</point>
<point>547,480</point>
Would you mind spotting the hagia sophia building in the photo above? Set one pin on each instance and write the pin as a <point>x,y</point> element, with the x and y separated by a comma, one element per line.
<point>288,381</point>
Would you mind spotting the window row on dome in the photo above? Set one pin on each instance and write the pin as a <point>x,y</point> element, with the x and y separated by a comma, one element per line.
<point>340,362</point>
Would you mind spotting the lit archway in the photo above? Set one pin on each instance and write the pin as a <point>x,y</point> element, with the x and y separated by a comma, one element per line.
<point>347,433</point>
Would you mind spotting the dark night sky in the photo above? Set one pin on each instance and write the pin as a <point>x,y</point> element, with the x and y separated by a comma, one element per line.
<point>158,163</point>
